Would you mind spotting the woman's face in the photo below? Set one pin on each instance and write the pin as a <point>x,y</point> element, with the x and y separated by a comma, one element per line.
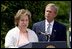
<point>24,21</point>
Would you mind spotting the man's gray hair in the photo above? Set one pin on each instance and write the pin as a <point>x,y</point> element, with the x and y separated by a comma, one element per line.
<point>54,6</point>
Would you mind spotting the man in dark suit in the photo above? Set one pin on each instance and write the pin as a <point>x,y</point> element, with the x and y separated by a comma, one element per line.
<point>57,30</point>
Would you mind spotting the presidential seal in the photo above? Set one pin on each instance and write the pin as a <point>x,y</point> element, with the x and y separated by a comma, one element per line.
<point>50,46</point>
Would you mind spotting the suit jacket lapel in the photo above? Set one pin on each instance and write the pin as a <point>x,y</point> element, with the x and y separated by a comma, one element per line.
<point>53,31</point>
<point>43,27</point>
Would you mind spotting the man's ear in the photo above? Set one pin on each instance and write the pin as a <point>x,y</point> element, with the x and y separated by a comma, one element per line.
<point>55,14</point>
<point>45,17</point>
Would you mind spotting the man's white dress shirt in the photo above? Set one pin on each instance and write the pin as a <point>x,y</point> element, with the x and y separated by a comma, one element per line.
<point>51,26</point>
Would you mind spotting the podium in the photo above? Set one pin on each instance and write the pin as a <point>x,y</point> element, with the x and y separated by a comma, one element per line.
<point>53,44</point>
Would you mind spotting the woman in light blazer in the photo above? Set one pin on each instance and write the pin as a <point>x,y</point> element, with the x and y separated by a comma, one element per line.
<point>21,34</point>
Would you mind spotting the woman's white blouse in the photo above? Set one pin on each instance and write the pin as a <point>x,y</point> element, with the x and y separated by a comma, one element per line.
<point>12,37</point>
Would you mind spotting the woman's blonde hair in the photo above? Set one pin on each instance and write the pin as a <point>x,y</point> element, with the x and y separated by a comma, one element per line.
<point>19,13</point>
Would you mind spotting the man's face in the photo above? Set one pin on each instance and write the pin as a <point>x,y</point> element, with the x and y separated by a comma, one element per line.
<point>50,13</point>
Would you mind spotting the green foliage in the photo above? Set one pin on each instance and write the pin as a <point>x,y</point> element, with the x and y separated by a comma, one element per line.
<point>9,9</point>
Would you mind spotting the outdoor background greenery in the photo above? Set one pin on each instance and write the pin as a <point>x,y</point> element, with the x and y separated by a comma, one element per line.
<point>9,9</point>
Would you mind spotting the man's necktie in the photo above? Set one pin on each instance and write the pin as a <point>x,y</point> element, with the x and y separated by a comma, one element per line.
<point>48,33</point>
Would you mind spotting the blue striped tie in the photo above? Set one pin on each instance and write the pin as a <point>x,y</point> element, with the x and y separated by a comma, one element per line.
<point>48,33</point>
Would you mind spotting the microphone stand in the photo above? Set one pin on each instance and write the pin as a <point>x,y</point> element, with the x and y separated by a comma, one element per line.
<point>47,36</point>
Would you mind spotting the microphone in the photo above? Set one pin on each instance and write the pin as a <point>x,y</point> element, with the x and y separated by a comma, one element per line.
<point>47,36</point>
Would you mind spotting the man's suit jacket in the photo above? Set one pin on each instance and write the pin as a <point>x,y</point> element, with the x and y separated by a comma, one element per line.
<point>58,31</point>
